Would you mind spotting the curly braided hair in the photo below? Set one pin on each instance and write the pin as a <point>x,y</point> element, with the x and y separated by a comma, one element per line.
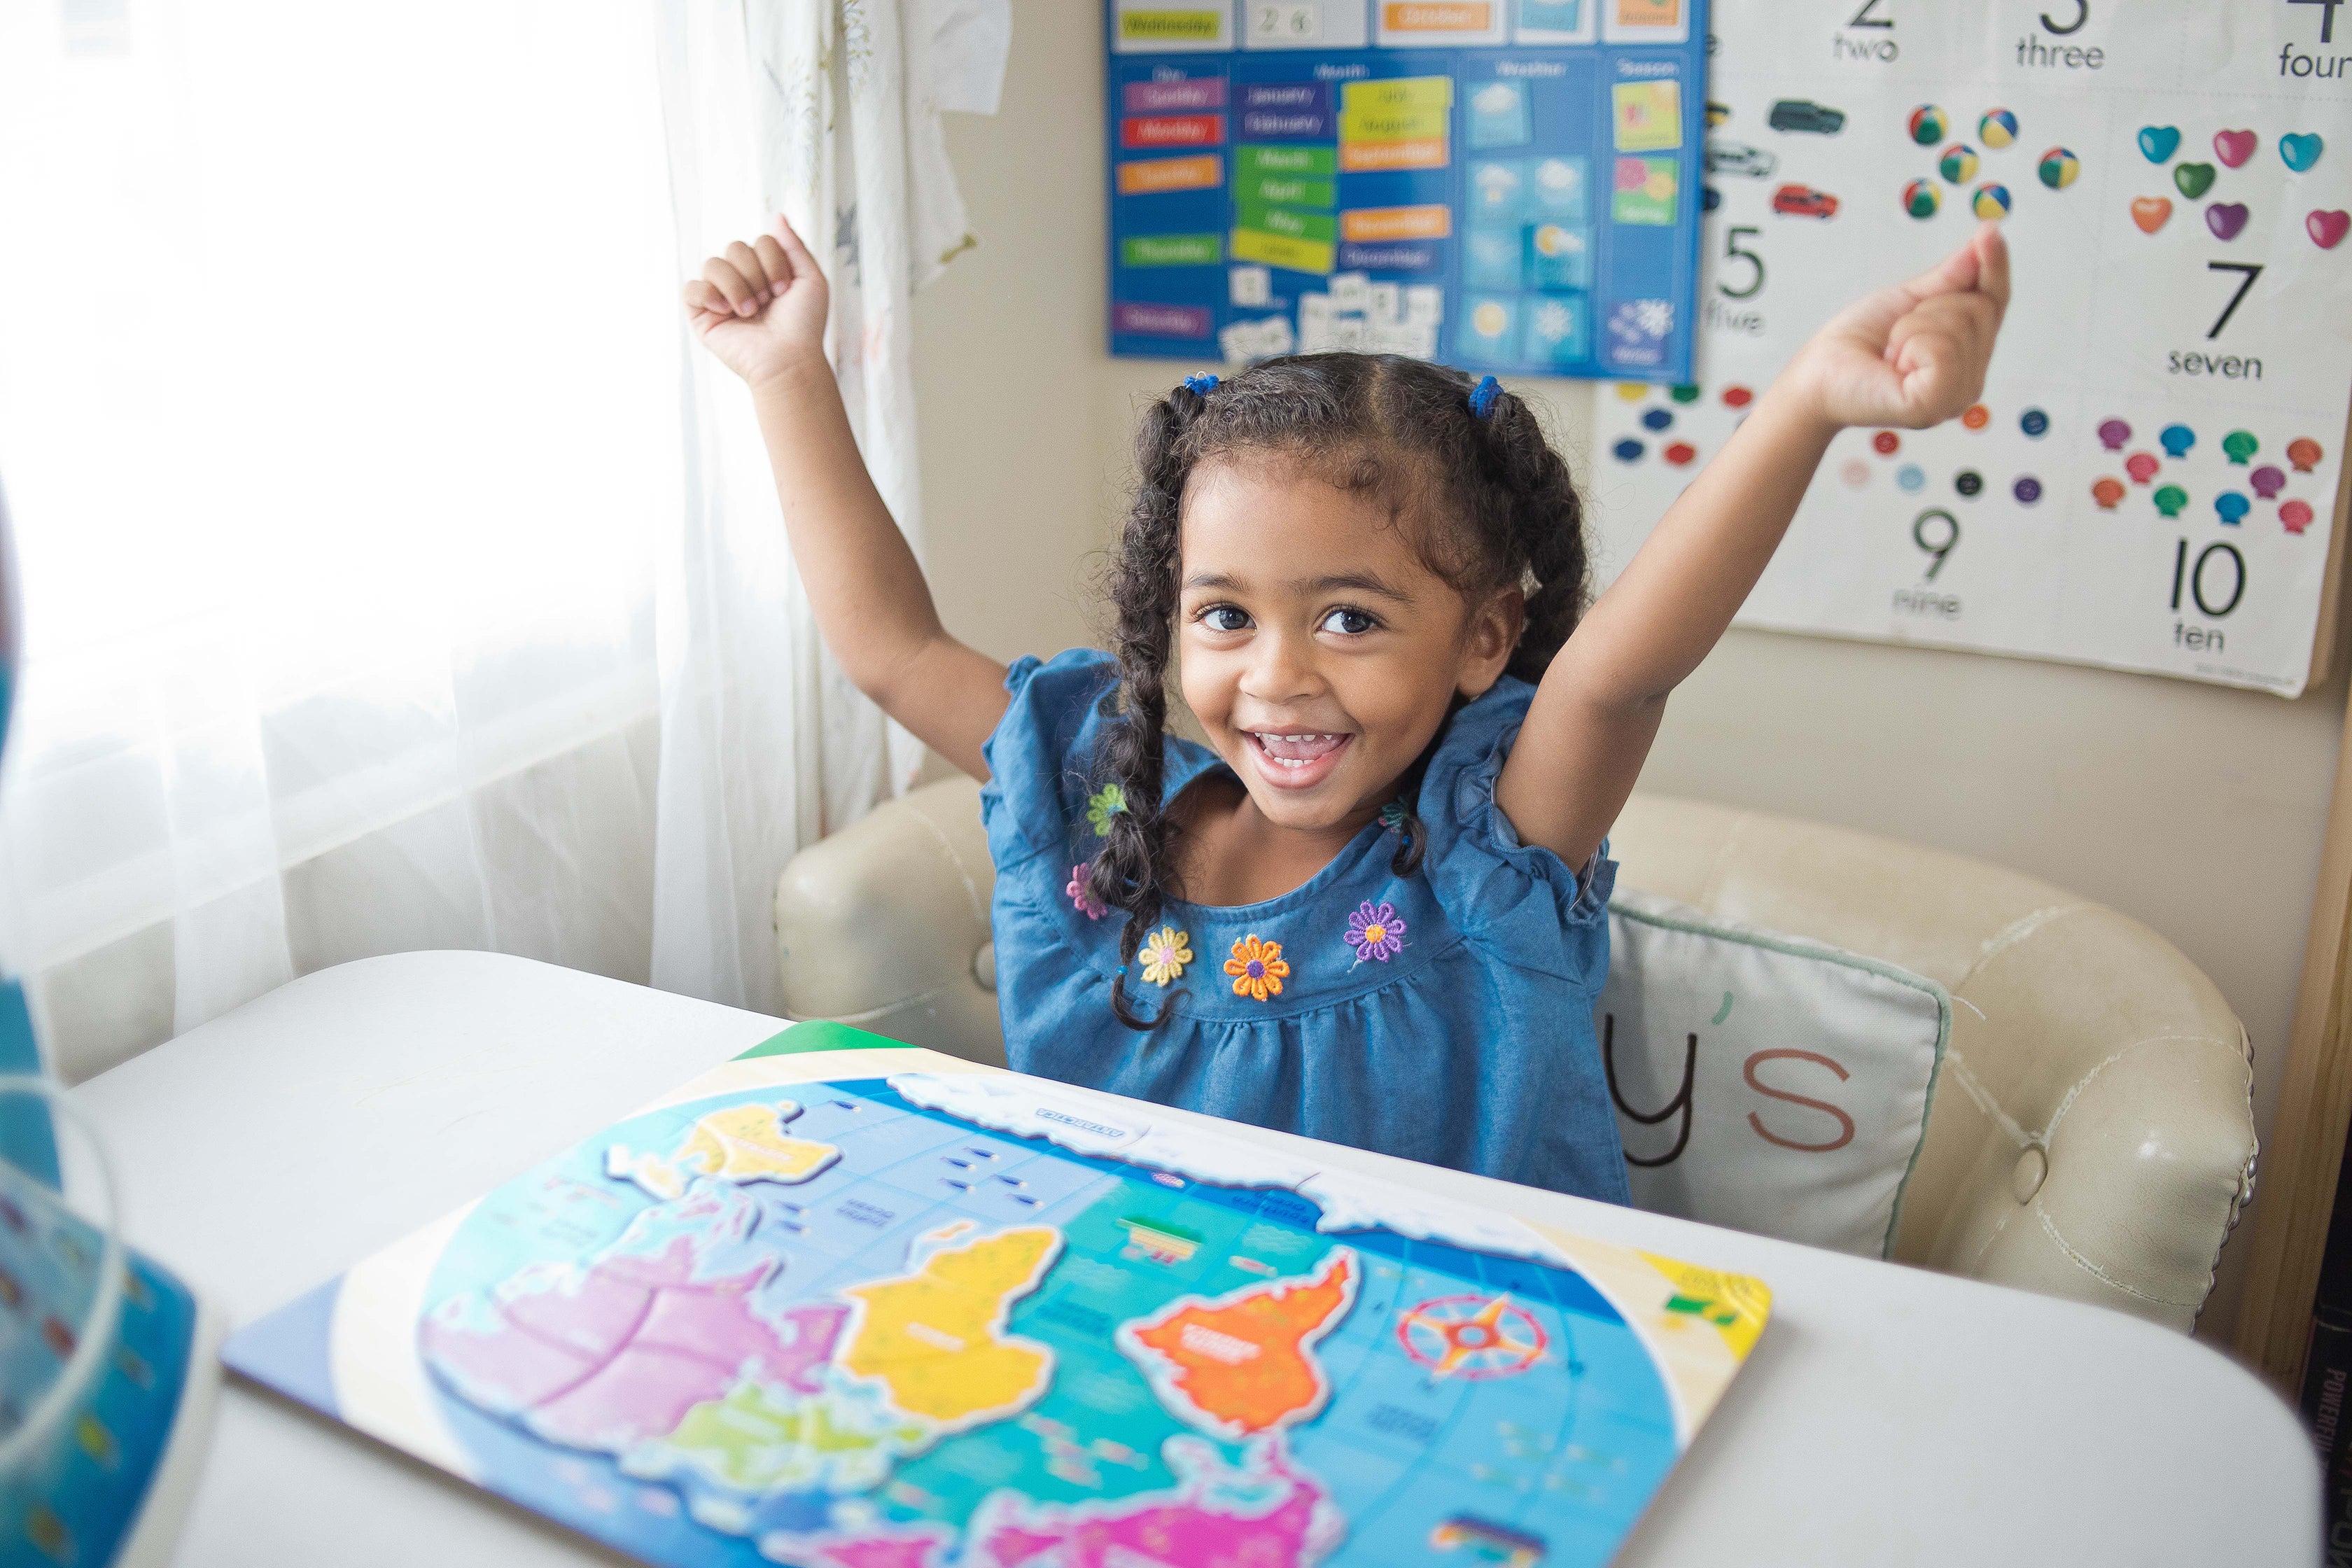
<point>1491,504</point>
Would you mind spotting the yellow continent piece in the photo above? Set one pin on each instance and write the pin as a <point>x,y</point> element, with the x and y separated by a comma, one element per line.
<point>936,1338</point>
<point>739,1143</point>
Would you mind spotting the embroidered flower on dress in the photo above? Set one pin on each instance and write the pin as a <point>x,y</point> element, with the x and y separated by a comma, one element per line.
<point>1164,954</point>
<point>1102,805</point>
<point>1257,969</point>
<point>1392,817</point>
<point>1376,932</point>
<point>1081,898</point>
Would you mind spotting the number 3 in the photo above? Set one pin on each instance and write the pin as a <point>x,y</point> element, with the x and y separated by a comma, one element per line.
<point>2082,15</point>
<point>1731,252</point>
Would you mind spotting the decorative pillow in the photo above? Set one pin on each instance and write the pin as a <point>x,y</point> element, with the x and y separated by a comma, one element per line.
<point>1764,1082</point>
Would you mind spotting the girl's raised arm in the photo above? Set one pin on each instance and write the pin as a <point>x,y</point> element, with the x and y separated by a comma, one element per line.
<point>761,307</point>
<point>1913,354</point>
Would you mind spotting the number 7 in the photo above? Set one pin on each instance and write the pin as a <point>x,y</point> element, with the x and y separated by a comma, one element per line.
<point>2253,271</point>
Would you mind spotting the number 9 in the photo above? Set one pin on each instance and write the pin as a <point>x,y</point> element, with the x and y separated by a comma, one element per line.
<point>1941,548</point>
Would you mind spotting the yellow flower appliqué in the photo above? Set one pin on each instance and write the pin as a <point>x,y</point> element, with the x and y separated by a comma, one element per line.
<point>1164,954</point>
<point>1257,969</point>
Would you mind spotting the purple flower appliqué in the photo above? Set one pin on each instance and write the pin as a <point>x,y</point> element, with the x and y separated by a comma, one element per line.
<point>1081,898</point>
<point>1376,931</point>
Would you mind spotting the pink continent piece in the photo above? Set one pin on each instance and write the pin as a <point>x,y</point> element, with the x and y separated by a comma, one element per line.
<point>609,1358</point>
<point>1187,1527</point>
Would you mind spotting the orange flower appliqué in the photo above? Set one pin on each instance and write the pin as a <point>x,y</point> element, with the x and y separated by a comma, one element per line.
<point>1257,969</point>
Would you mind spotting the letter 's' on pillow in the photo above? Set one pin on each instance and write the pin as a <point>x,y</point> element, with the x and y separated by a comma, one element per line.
<point>1764,1082</point>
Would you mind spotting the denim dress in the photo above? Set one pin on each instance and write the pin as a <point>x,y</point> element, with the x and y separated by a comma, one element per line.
<point>1444,1016</point>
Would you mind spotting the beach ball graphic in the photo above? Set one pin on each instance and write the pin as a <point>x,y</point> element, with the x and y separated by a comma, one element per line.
<point>1920,199</point>
<point>1990,201</point>
<point>2059,168</point>
<point>1959,164</point>
<point>1927,125</point>
<point>1998,129</point>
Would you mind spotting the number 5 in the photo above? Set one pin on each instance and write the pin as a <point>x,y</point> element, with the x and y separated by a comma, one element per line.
<point>1732,252</point>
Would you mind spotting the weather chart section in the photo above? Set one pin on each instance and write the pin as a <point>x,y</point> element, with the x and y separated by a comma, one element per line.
<point>968,1319</point>
<point>2150,481</point>
<point>1506,184</point>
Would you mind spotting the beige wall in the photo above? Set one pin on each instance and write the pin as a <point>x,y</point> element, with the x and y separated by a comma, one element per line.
<point>2195,809</point>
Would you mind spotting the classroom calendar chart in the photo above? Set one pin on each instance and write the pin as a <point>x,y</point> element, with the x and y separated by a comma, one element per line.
<point>1503,184</point>
<point>2150,480</point>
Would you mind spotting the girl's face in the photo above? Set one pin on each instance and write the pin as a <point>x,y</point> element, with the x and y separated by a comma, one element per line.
<point>1316,648</point>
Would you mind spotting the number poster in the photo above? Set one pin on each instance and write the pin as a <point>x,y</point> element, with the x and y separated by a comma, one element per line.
<point>2150,480</point>
<point>1507,184</point>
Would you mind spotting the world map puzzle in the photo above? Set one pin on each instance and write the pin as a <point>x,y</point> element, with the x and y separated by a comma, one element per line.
<point>950,1319</point>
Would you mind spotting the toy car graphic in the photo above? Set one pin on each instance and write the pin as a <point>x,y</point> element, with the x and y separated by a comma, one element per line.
<point>1803,201</point>
<point>1800,115</point>
<point>1737,158</point>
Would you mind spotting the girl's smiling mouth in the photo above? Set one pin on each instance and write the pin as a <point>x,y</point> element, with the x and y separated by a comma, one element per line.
<point>1294,759</point>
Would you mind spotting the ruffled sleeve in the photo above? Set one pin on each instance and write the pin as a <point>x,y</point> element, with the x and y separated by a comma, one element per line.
<point>1038,755</point>
<point>1520,902</point>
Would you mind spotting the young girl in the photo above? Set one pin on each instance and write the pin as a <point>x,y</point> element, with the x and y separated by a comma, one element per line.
<point>1373,909</point>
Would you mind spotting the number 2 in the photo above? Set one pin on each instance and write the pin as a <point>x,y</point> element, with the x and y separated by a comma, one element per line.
<point>1731,251</point>
<point>2253,269</point>
<point>1862,18</point>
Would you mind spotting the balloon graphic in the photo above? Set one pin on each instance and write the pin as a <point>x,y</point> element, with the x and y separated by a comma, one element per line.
<point>1968,482</point>
<point>1976,416</point>
<point>1686,393</point>
<point>2151,213</point>
<point>2028,489</point>
<point>1998,129</point>
<point>2234,147</point>
<point>1927,125</point>
<point>1679,454</point>
<point>2058,168</point>
<point>1887,443</point>
<point>2171,499</point>
<point>1627,451</point>
<point>2295,514</point>
<point>2232,507</point>
<point>2267,481</point>
<point>1738,398</point>
<point>2304,453</point>
<point>1909,477</point>
<point>1991,203</point>
<point>2227,219</point>
<point>1855,473</point>
<point>2158,143</point>
<point>2177,440</point>
<point>2106,492</point>
<point>2141,466</point>
<point>1921,199</point>
<point>2301,150</point>
<point>1959,164</point>
<point>2239,445</point>
<point>2034,423</point>
<point>2113,434</point>
<point>1657,418</point>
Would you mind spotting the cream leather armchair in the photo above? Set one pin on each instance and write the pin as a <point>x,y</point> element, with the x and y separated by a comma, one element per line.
<point>2093,1133</point>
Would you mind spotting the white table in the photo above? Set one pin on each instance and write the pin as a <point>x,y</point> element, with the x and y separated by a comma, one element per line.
<point>1888,1415</point>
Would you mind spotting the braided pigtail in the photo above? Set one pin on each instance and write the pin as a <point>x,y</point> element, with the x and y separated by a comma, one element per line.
<point>1129,871</point>
<point>1543,520</point>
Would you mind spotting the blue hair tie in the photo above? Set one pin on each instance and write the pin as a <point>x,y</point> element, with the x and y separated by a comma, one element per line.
<point>1483,395</point>
<point>1200,385</point>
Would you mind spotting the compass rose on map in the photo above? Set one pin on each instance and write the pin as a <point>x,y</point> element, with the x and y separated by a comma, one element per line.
<point>1472,1336</point>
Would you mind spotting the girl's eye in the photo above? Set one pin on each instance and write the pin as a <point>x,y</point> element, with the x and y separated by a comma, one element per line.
<point>1349,622</point>
<point>1224,619</point>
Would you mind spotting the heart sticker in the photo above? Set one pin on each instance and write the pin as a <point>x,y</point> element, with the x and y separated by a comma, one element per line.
<point>2234,147</point>
<point>2327,228</point>
<point>2301,148</point>
<point>2158,143</point>
<point>2151,213</point>
<point>2226,219</point>
<point>2194,179</point>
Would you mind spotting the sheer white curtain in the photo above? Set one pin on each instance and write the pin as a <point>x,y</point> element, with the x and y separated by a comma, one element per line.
<point>392,569</point>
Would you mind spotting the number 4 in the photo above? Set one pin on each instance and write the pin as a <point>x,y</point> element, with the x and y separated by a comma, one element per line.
<point>2253,271</point>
